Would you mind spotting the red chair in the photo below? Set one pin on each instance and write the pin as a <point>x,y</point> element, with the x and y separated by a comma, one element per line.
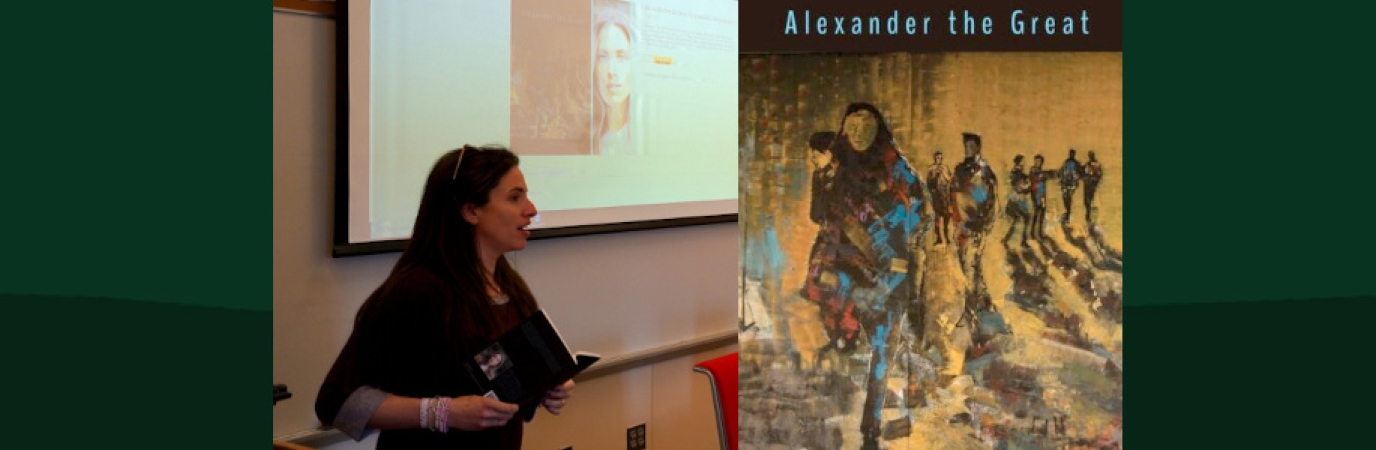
<point>723,373</point>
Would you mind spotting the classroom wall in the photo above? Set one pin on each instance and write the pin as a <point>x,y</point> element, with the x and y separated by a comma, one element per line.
<point>667,285</point>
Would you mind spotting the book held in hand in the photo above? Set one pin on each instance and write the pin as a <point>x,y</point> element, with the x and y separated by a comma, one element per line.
<point>525,362</point>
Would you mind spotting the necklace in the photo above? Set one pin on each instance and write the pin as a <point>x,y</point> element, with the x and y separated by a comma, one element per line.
<point>497,296</point>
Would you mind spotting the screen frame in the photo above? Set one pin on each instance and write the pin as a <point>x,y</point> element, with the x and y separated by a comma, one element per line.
<point>341,245</point>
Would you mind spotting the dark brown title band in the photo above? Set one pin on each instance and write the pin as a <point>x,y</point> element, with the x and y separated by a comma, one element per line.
<point>783,26</point>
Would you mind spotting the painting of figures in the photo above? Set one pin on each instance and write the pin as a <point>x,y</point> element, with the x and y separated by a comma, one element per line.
<point>932,251</point>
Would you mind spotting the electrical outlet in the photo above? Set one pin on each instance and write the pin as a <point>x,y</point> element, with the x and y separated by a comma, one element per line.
<point>635,437</point>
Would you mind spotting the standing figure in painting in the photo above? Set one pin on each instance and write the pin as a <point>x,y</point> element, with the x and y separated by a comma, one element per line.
<point>1018,201</point>
<point>939,185</point>
<point>878,201</point>
<point>826,265</point>
<point>1094,172</point>
<point>975,196</point>
<point>1038,177</point>
<point>1071,172</point>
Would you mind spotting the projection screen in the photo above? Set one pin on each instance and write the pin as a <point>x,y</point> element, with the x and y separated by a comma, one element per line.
<point>623,112</point>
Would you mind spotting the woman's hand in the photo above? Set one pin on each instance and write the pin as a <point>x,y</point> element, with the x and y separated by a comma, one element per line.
<point>556,399</point>
<point>474,413</point>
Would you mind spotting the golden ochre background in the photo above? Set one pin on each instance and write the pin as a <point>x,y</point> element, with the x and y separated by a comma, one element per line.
<point>1060,297</point>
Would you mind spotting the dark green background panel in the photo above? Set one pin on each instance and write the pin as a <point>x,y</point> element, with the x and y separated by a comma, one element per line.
<point>100,372</point>
<point>135,213</point>
<point>138,159</point>
<point>1281,374</point>
<point>1247,152</point>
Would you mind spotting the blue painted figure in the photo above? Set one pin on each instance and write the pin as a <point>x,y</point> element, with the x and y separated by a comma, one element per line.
<point>874,218</point>
<point>976,197</point>
<point>833,262</point>
<point>1019,204</point>
<point>1071,172</point>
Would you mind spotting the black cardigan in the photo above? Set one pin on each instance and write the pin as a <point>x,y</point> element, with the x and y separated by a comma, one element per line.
<point>402,345</point>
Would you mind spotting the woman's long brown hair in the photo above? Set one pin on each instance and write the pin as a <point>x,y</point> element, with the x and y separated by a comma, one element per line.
<point>443,242</point>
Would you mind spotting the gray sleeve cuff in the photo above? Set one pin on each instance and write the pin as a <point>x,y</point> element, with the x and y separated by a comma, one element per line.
<point>353,416</point>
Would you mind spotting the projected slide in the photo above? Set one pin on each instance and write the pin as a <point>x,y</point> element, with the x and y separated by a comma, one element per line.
<point>622,111</point>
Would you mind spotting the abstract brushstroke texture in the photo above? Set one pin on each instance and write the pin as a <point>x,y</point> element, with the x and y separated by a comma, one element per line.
<point>901,287</point>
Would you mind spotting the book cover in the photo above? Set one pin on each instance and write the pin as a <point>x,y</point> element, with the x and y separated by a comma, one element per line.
<point>525,362</point>
<point>931,217</point>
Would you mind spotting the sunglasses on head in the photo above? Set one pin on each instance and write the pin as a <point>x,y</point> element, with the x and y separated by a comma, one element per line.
<point>460,163</point>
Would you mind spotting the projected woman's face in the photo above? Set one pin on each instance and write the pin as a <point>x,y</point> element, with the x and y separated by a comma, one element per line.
<point>861,127</point>
<point>613,64</point>
<point>501,223</point>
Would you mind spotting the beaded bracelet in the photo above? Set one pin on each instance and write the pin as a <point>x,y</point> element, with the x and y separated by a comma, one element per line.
<point>435,417</point>
<point>434,414</point>
<point>442,418</point>
<point>425,413</point>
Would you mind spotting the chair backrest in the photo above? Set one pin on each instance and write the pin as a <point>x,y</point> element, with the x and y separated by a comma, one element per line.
<point>723,373</point>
